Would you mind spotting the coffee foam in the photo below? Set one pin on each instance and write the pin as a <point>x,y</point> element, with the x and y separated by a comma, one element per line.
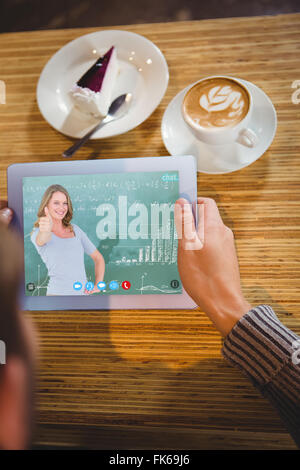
<point>216,102</point>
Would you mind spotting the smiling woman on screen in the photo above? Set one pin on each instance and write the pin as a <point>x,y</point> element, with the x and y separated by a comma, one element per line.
<point>62,245</point>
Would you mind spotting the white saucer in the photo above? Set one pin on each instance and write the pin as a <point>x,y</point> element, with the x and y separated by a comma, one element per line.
<point>216,159</point>
<point>143,72</point>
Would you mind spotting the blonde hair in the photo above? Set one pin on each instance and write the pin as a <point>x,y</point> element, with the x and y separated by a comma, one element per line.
<point>45,200</point>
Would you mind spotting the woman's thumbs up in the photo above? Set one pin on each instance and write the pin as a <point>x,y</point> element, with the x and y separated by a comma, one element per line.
<point>45,223</point>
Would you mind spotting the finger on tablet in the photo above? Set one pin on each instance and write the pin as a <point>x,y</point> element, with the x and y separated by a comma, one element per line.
<point>184,219</point>
<point>201,218</point>
<point>6,216</point>
<point>185,225</point>
<point>178,219</point>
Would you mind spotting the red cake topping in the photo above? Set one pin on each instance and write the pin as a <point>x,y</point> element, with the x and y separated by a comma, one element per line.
<point>93,78</point>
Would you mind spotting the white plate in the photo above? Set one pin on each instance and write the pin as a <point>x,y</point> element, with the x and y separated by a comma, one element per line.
<point>143,72</point>
<point>217,159</point>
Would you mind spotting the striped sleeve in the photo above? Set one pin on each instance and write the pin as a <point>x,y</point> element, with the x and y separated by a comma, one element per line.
<point>269,354</point>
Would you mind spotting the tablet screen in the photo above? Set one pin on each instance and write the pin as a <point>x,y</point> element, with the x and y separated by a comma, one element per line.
<point>101,234</point>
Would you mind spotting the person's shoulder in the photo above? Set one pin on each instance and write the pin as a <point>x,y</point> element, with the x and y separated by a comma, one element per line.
<point>77,229</point>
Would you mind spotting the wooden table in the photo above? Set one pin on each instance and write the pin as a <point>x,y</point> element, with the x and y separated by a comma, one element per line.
<point>156,379</point>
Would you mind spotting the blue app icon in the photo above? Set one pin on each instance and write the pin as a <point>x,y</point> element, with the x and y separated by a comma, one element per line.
<point>101,285</point>
<point>114,285</point>
<point>89,285</point>
<point>77,285</point>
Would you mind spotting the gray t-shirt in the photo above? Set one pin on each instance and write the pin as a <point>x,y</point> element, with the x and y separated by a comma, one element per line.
<point>64,259</point>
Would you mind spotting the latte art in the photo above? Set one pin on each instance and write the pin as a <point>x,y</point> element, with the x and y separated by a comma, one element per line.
<point>216,102</point>
<point>220,98</point>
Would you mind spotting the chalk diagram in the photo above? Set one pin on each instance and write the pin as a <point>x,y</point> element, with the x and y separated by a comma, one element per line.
<point>40,285</point>
<point>146,288</point>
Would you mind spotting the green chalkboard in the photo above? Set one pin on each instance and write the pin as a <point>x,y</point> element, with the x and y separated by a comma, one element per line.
<point>111,209</point>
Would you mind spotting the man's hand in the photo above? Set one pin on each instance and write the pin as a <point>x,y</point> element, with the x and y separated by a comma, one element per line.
<point>6,214</point>
<point>208,264</point>
<point>46,223</point>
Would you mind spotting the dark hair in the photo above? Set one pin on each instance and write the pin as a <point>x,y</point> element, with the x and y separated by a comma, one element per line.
<point>11,275</point>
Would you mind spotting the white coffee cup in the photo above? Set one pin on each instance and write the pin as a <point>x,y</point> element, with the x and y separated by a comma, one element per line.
<point>239,132</point>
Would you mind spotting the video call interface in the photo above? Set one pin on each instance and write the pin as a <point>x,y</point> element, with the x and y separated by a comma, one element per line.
<point>128,218</point>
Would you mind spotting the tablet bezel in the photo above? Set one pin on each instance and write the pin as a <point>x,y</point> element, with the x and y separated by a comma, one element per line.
<point>187,168</point>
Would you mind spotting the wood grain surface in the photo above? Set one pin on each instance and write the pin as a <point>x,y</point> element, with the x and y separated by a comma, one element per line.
<point>156,379</point>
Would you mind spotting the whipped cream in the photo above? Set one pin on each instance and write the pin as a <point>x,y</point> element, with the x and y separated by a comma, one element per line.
<point>96,103</point>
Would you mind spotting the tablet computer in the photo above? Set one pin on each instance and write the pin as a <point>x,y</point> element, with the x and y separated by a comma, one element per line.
<point>100,234</point>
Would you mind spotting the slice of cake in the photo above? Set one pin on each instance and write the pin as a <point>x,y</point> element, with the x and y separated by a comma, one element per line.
<point>92,94</point>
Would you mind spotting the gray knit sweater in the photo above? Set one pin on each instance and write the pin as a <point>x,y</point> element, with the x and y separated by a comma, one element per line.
<point>269,354</point>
